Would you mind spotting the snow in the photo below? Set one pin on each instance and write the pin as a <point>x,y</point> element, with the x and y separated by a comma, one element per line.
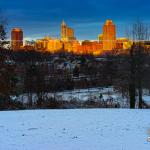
<point>90,129</point>
<point>146,99</point>
<point>82,95</point>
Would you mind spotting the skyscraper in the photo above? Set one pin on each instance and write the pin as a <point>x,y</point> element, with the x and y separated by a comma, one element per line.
<point>63,30</point>
<point>109,35</point>
<point>16,38</point>
<point>67,33</point>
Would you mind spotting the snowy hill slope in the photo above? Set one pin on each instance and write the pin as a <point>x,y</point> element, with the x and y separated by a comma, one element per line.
<point>91,129</point>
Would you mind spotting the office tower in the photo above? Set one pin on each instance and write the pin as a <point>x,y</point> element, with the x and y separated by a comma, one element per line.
<point>67,33</point>
<point>100,38</point>
<point>63,30</point>
<point>16,39</point>
<point>109,35</point>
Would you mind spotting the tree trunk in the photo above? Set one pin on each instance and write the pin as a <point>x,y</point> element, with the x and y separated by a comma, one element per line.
<point>132,92</point>
<point>132,86</point>
<point>140,92</point>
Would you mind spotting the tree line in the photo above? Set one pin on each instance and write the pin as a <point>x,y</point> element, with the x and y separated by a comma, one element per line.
<point>30,72</point>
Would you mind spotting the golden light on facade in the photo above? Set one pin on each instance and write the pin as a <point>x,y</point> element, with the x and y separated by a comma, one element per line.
<point>16,39</point>
<point>49,44</point>
<point>67,33</point>
<point>68,43</point>
<point>109,35</point>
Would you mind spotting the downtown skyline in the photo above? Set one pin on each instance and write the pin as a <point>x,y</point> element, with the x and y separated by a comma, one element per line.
<point>39,19</point>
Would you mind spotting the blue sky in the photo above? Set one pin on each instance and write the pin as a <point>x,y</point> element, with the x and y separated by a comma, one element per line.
<point>40,18</point>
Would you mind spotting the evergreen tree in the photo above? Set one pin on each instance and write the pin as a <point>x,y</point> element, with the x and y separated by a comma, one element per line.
<point>2,31</point>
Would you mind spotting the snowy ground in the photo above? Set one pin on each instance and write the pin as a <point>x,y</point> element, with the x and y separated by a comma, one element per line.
<point>78,94</point>
<point>91,129</point>
<point>88,94</point>
<point>82,95</point>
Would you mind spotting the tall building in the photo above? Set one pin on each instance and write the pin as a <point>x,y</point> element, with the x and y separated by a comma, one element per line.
<point>109,35</point>
<point>16,39</point>
<point>67,33</point>
<point>63,30</point>
<point>100,38</point>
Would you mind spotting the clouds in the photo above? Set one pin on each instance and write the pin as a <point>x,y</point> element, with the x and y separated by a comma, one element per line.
<point>36,16</point>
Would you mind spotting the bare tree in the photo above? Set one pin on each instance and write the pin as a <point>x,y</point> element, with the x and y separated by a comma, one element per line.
<point>8,82</point>
<point>139,34</point>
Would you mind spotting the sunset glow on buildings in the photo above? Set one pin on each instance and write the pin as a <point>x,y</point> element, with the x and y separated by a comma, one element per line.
<point>48,44</point>
<point>109,35</point>
<point>16,39</point>
<point>107,41</point>
<point>67,33</point>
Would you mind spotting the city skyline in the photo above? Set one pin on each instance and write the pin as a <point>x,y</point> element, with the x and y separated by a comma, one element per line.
<point>85,17</point>
<point>57,34</point>
<point>107,41</point>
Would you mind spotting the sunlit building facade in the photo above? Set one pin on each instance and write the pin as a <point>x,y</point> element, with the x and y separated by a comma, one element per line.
<point>90,47</point>
<point>109,35</point>
<point>16,39</point>
<point>68,43</point>
<point>67,33</point>
<point>100,38</point>
<point>123,43</point>
<point>71,46</point>
<point>49,44</point>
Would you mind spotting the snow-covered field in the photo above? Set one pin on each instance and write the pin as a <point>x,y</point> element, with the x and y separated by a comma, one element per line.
<point>78,94</point>
<point>88,94</point>
<point>91,129</point>
<point>83,95</point>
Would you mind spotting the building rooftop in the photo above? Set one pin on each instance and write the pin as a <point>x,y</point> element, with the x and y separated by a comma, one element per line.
<point>17,29</point>
<point>63,23</point>
<point>109,22</point>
